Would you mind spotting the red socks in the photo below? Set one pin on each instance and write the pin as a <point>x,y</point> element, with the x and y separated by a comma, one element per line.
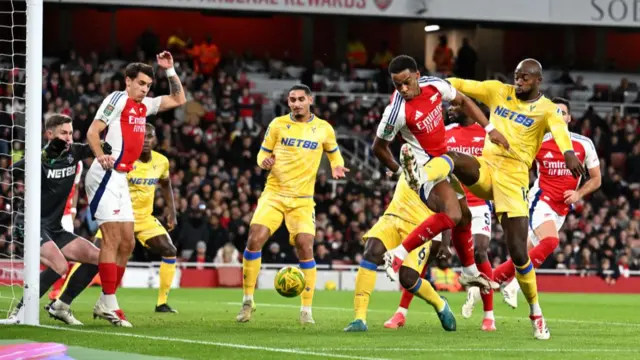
<point>538,254</point>
<point>487,297</point>
<point>429,228</point>
<point>120,275</point>
<point>462,240</point>
<point>407,296</point>
<point>109,277</point>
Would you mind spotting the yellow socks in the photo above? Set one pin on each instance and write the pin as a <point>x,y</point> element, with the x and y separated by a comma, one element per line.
<point>66,280</point>
<point>167,271</point>
<point>526,277</point>
<point>439,168</point>
<point>309,270</point>
<point>426,292</point>
<point>251,262</point>
<point>365,282</point>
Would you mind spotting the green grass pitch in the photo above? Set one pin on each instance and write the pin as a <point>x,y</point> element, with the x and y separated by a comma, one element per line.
<point>582,327</point>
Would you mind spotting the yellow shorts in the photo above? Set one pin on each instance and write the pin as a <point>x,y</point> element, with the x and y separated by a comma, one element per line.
<point>299,214</point>
<point>392,230</point>
<point>144,230</point>
<point>506,182</point>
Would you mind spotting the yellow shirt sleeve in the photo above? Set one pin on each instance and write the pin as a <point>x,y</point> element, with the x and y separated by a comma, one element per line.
<point>479,90</point>
<point>559,130</point>
<point>165,171</point>
<point>332,149</point>
<point>269,142</point>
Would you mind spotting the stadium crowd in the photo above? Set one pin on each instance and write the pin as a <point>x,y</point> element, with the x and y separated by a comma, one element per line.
<point>212,144</point>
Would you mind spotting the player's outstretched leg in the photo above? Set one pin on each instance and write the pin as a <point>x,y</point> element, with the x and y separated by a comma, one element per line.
<point>163,246</point>
<point>515,229</point>
<point>399,319</point>
<point>538,254</point>
<point>304,245</point>
<point>410,279</point>
<point>251,263</point>
<point>366,277</point>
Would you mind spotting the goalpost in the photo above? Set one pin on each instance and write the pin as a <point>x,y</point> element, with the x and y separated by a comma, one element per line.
<point>25,114</point>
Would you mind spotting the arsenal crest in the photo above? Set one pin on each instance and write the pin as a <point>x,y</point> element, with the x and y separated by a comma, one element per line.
<point>382,4</point>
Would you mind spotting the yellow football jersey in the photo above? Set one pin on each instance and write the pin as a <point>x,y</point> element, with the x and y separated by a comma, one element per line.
<point>298,149</point>
<point>407,205</point>
<point>142,183</point>
<point>523,123</point>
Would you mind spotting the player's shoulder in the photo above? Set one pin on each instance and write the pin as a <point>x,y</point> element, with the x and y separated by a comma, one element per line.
<point>432,80</point>
<point>549,105</point>
<point>321,123</point>
<point>117,98</point>
<point>581,139</point>
<point>547,137</point>
<point>158,158</point>
<point>280,120</point>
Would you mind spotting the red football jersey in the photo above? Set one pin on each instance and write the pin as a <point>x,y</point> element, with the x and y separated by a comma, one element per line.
<point>67,208</point>
<point>553,176</point>
<point>419,120</point>
<point>126,121</point>
<point>467,140</point>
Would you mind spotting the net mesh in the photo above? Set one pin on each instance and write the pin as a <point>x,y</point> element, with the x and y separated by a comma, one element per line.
<point>12,143</point>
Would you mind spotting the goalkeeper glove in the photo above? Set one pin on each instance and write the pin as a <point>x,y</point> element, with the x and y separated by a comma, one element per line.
<point>106,148</point>
<point>54,149</point>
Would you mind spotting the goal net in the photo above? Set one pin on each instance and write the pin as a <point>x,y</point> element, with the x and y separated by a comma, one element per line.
<point>20,137</point>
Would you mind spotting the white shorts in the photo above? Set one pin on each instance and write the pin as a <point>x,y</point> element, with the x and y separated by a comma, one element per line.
<point>67,223</point>
<point>539,213</point>
<point>108,193</point>
<point>426,188</point>
<point>481,220</point>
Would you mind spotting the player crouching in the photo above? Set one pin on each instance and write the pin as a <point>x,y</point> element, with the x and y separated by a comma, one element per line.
<point>59,163</point>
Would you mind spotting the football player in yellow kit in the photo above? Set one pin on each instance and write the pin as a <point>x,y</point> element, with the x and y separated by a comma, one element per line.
<point>292,149</point>
<point>523,114</point>
<point>150,169</point>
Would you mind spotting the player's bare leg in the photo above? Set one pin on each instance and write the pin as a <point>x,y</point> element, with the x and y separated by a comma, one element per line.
<point>399,318</point>
<point>473,293</point>
<point>411,280</point>
<point>163,246</point>
<point>372,257</point>
<point>107,306</point>
<point>251,263</point>
<point>304,247</point>
<point>515,231</point>
<point>546,231</point>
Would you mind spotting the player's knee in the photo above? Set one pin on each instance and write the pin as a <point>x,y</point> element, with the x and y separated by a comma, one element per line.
<point>374,251</point>
<point>454,213</point>
<point>258,235</point>
<point>304,246</point>
<point>168,250</point>
<point>60,266</point>
<point>408,277</point>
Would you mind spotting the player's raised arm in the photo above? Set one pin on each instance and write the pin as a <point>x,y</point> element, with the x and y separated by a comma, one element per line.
<point>479,90</point>
<point>167,193</point>
<point>332,149</point>
<point>176,95</point>
<point>266,158</point>
<point>470,108</point>
<point>393,119</point>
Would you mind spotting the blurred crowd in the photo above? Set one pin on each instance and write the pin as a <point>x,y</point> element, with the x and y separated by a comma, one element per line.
<point>212,144</point>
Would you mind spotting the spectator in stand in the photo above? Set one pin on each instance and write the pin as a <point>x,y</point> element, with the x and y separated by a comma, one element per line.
<point>206,57</point>
<point>443,57</point>
<point>466,61</point>
<point>356,53</point>
<point>228,254</point>
<point>200,255</point>
<point>383,57</point>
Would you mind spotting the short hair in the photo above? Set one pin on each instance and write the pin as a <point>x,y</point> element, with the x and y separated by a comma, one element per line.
<point>56,120</point>
<point>401,63</point>
<point>563,101</point>
<point>149,127</point>
<point>132,70</point>
<point>303,87</point>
